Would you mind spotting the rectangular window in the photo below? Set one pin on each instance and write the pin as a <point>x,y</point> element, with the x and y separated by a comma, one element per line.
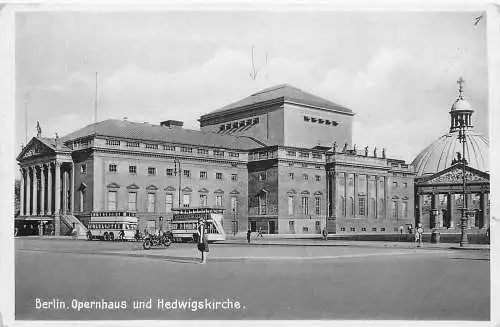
<point>305,205</point>
<point>317,205</point>
<point>203,200</point>
<point>362,206</point>
<point>83,169</point>
<point>218,176</point>
<point>132,169</point>
<point>151,146</point>
<point>113,142</point>
<point>304,154</point>
<point>234,154</point>
<point>263,203</point>
<point>218,200</point>
<point>218,153</point>
<point>305,176</point>
<point>169,202</point>
<point>186,149</point>
<point>317,178</point>
<point>291,175</point>
<point>170,172</point>
<point>186,200</point>
<point>394,209</point>
<point>151,171</point>
<point>132,201</point>
<point>202,151</point>
<point>187,173</point>
<point>112,197</point>
<point>169,147</point>
<point>234,206</point>
<point>262,176</point>
<point>404,209</point>
<point>290,153</point>
<point>203,175</point>
<point>394,185</point>
<point>290,205</point>
<point>353,229</point>
<point>112,168</point>
<point>234,177</point>
<point>151,202</point>
<point>132,144</point>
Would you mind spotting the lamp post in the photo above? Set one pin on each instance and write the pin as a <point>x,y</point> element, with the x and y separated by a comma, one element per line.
<point>465,212</point>
<point>177,172</point>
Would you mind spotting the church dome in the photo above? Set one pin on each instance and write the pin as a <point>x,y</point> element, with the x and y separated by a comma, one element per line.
<point>442,153</point>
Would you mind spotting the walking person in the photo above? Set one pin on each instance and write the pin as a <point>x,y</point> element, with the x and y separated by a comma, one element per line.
<point>249,233</point>
<point>325,234</point>
<point>203,244</point>
<point>259,234</point>
<point>419,232</point>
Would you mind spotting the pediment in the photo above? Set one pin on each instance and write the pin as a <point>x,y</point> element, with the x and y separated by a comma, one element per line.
<point>35,148</point>
<point>113,185</point>
<point>152,188</point>
<point>133,186</point>
<point>454,175</point>
<point>169,189</point>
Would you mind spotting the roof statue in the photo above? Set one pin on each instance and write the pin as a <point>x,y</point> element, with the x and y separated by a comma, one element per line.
<point>366,151</point>
<point>334,147</point>
<point>38,129</point>
<point>375,152</point>
<point>383,153</point>
<point>57,139</point>
<point>344,149</point>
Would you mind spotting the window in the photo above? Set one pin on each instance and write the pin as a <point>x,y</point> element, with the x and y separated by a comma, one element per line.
<point>291,226</point>
<point>186,149</point>
<point>317,178</point>
<point>362,205</point>
<point>262,176</point>
<point>382,229</point>
<point>394,184</point>
<point>83,169</point>
<point>187,173</point>
<point>305,229</point>
<point>218,200</point>
<point>112,196</point>
<point>263,203</point>
<point>151,146</point>
<point>317,205</point>
<point>374,229</point>
<point>291,153</point>
<point>305,205</point>
<point>218,153</point>
<point>132,201</point>
<point>371,209</point>
<point>291,175</point>
<point>381,209</point>
<point>234,154</point>
<point>405,185</point>
<point>186,200</point>
<point>404,209</point>
<point>317,156</point>
<point>169,147</point>
<point>112,168</point>
<point>202,151</point>
<point>305,176</point>
<point>290,205</point>
<point>203,200</point>
<point>83,199</point>
<point>151,202</point>
<point>234,206</point>
<point>170,172</point>
<point>363,229</point>
<point>304,154</point>
<point>394,209</point>
<point>132,169</point>
<point>203,175</point>
<point>351,206</point>
<point>218,176</point>
<point>169,202</point>
<point>353,229</point>
<point>234,177</point>
<point>342,205</point>
<point>113,142</point>
<point>151,171</point>
<point>342,229</point>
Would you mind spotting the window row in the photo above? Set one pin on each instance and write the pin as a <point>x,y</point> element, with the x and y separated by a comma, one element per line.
<point>152,205</point>
<point>238,124</point>
<point>305,177</point>
<point>304,205</point>
<point>320,121</point>
<point>171,172</point>
<point>364,229</point>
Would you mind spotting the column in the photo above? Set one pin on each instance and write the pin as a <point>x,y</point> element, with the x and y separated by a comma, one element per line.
<point>28,192</point>
<point>42,190</point>
<point>355,213</point>
<point>485,221</point>
<point>57,199</point>
<point>470,216</point>
<point>64,191</point>
<point>49,189</point>
<point>21,198</point>
<point>72,190</point>
<point>435,211</point>
<point>346,198</point>
<point>376,197</point>
<point>420,208</point>
<point>334,194</point>
<point>367,204</point>
<point>451,209</point>
<point>35,191</point>
<point>387,203</point>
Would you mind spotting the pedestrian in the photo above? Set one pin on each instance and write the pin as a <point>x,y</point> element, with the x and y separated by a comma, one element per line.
<point>401,229</point>
<point>249,233</point>
<point>203,245</point>
<point>325,233</point>
<point>259,234</point>
<point>419,232</point>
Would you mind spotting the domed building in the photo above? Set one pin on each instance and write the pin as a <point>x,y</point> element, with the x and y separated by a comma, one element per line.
<point>439,181</point>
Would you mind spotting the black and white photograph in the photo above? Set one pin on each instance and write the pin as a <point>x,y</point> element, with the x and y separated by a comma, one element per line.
<point>240,163</point>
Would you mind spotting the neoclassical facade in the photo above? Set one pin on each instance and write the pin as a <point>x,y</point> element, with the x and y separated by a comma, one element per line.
<point>281,160</point>
<point>439,177</point>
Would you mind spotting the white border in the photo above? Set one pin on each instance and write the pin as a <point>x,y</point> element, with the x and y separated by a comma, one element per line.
<point>7,123</point>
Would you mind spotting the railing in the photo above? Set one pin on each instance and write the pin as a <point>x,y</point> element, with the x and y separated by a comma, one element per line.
<point>112,214</point>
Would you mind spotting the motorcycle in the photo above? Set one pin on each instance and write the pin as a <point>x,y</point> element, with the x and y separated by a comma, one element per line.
<point>156,241</point>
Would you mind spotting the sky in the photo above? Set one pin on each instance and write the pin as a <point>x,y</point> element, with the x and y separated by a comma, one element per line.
<point>396,70</point>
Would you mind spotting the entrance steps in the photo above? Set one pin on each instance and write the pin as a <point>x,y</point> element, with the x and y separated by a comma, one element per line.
<point>72,226</point>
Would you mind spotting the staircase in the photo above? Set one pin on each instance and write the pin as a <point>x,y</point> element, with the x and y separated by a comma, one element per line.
<point>67,223</point>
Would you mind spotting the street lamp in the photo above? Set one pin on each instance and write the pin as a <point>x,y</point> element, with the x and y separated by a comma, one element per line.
<point>177,172</point>
<point>463,139</point>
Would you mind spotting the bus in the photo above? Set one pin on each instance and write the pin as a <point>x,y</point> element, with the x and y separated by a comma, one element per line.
<point>109,225</point>
<point>185,222</point>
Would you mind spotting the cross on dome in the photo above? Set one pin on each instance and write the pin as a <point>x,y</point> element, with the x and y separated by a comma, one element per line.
<point>461,83</point>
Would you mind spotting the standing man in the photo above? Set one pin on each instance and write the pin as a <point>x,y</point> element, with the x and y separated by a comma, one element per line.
<point>419,232</point>
<point>249,233</point>
<point>203,242</point>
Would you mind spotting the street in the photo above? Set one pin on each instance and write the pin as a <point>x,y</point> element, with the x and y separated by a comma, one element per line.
<point>268,281</point>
